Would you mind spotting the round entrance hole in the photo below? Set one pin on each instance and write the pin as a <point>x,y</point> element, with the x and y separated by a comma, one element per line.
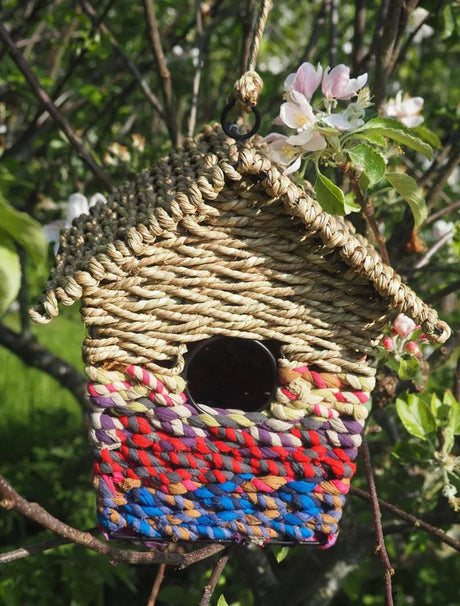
<point>228,372</point>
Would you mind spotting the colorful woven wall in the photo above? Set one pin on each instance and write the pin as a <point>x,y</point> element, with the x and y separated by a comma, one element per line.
<point>164,470</point>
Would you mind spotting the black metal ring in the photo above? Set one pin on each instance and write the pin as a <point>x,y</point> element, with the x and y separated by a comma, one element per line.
<point>232,129</point>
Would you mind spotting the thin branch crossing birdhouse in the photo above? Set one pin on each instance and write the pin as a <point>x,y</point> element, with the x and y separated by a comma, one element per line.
<point>232,334</point>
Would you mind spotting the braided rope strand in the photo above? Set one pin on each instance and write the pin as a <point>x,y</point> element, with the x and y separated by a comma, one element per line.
<point>165,470</point>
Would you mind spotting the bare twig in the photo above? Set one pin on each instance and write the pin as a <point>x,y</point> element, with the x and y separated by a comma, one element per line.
<point>380,548</point>
<point>444,211</point>
<point>216,572</point>
<point>410,519</point>
<point>384,49</point>
<point>368,212</point>
<point>24,552</point>
<point>156,585</point>
<point>45,100</point>
<point>318,24</point>
<point>334,36</point>
<point>358,34</point>
<point>145,88</point>
<point>433,250</point>
<point>442,175</point>
<point>440,294</point>
<point>32,353</point>
<point>160,62</point>
<point>13,500</point>
<point>199,66</point>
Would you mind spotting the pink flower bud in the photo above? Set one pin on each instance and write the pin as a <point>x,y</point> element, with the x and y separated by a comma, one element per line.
<point>388,343</point>
<point>413,349</point>
<point>403,325</point>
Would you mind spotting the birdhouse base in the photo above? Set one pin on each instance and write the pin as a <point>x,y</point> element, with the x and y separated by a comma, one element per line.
<point>166,470</point>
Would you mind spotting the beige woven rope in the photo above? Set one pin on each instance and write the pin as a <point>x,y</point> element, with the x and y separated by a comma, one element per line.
<point>214,240</point>
<point>247,89</point>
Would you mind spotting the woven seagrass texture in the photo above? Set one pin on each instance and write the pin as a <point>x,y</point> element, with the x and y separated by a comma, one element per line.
<point>215,241</point>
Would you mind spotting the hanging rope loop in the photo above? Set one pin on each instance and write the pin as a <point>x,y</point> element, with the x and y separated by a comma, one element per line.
<point>247,89</point>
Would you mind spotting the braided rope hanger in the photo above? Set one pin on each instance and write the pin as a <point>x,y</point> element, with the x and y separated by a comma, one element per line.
<point>248,87</point>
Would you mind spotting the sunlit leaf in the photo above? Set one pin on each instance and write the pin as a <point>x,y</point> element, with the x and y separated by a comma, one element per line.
<point>371,162</point>
<point>408,189</point>
<point>329,195</point>
<point>10,273</point>
<point>416,416</point>
<point>393,129</point>
<point>24,230</point>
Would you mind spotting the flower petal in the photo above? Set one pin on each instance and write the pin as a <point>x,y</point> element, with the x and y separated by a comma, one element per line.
<point>293,167</point>
<point>316,143</point>
<point>77,205</point>
<point>297,116</point>
<point>305,81</point>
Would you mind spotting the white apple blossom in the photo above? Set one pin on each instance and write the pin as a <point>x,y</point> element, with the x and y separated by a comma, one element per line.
<point>405,109</point>
<point>349,119</point>
<point>284,153</point>
<point>337,83</point>
<point>288,151</point>
<point>77,204</point>
<point>298,114</point>
<point>304,81</point>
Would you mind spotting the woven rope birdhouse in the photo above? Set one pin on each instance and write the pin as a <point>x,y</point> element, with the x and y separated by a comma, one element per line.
<point>213,242</point>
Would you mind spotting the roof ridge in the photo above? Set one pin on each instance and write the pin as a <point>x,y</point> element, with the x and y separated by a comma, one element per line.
<point>178,188</point>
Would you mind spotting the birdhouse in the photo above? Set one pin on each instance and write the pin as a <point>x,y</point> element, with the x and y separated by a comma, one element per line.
<point>233,328</point>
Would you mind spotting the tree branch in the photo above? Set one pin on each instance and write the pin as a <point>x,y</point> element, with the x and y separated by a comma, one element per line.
<point>12,500</point>
<point>334,36</point>
<point>358,34</point>
<point>410,519</point>
<point>24,552</point>
<point>157,585</point>
<point>443,211</point>
<point>384,50</point>
<point>380,548</point>
<point>145,88</point>
<point>31,352</point>
<point>319,22</point>
<point>45,100</point>
<point>160,62</point>
<point>433,250</point>
<point>217,571</point>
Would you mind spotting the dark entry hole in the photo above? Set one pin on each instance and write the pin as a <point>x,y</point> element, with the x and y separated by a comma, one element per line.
<point>228,372</point>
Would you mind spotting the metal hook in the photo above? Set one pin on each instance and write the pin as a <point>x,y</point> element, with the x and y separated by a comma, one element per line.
<point>232,129</point>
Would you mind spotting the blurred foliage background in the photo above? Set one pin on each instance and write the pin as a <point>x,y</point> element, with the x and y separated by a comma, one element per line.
<point>83,56</point>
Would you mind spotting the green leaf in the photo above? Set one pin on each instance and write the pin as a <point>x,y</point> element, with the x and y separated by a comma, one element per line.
<point>372,163</point>
<point>409,368</point>
<point>222,601</point>
<point>416,416</point>
<point>329,196</point>
<point>408,189</point>
<point>10,273</point>
<point>393,129</point>
<point>280,552</point>
<point>427,135</point>
<point>24,230</point>
<point>454,412</point>
<point>351,206</point>
<point>411,452</point>
<point>372,137</point>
